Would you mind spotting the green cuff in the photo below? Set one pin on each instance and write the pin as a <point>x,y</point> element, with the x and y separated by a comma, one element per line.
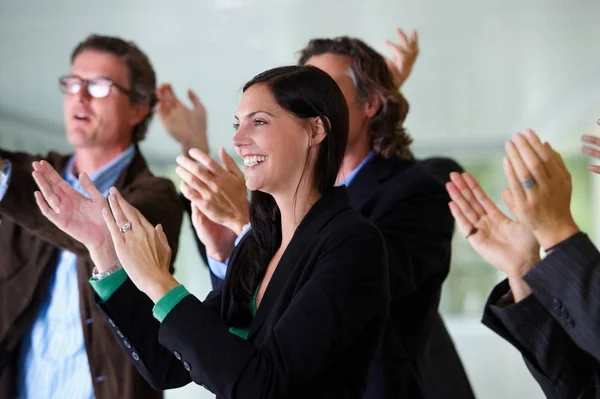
<point>109,284</point>
<point>168,302</point>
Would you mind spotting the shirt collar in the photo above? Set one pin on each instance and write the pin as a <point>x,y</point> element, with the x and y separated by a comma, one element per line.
<point>104,177</point>
<point>348,179</point>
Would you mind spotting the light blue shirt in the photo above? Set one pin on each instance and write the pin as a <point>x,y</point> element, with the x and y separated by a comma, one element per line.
<point>53,362</point>
<point>219,269</point>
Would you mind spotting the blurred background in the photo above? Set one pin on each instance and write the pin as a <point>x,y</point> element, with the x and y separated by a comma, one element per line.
<point>486,70</point>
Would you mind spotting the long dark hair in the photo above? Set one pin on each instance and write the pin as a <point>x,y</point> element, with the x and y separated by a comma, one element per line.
<point>307,92</point>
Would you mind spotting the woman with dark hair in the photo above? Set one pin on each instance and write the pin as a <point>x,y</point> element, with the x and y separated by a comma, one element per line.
<point>306,296</point>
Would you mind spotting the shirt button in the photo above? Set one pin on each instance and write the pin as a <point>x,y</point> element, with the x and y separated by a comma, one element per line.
<point>570,323</point>
<point>135,356</point>
<point>187,366</point>
<point>177,355</point>
<point>119,333</point>
<point>127,344</point>
<point>112,323</point>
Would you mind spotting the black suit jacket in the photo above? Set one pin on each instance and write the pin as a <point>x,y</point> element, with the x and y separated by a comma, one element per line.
<point>408,202</point>
<point>556,328</point>
<point>444,374</point>
<point>313,336</point>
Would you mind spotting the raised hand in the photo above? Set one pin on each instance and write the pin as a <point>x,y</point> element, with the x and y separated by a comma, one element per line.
<point>187,126</point>
<point>405,55</point>
<point>218,192</point>
<point>76,215</point>
<point>143,249</point>
<point>540,185</point>
<point>506,244</point>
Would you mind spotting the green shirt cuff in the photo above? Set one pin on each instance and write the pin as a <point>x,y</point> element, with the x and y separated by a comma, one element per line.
<point>168,302</point>
<point>109,284</point>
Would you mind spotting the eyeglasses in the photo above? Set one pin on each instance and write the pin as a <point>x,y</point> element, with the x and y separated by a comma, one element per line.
<point>97,88</point>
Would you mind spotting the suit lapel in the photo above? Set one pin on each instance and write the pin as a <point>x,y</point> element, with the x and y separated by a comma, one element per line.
<point>367,181</point>
<point>332,203</point>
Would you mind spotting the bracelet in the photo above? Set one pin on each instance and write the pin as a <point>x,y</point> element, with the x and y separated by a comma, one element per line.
<point>99,276</point>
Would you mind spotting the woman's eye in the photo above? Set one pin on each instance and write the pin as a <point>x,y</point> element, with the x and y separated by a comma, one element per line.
<point>258,122</point>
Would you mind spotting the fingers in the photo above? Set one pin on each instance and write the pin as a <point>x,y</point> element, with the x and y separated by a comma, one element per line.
<point>90,188</point>
<point>113,227</point>
<point>594,168</point>
<point>414,40</point>
<point>206,161</point>
<point>199,180</point>
<point>115,206</point>
<point>229,163</point>
<point>526,161</point>
<point>44,208</point>
<point>482,198</point>
<point>189,193</point>
<point>593,140</point>
<point>508,200</point>
<point>536,145</point>
<point>49,195</point>
<point>462,196</point>
<point>131,213</point>
<point>461,220</point>
<point>195,100</point>
<point>517,192</point>
<point>162,237</point>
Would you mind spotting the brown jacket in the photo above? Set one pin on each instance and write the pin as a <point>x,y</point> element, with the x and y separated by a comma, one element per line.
<point>28,256</point>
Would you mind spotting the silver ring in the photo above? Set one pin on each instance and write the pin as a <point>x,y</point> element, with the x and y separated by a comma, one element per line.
<point>527,183</point>
<point>125,227</point>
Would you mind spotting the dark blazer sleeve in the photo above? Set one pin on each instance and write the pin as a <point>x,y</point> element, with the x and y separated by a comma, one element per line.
<point>567,283</point>
<point>418,234</point>
<point>129,313</point>
<point>562,369</point>
<point>346,291</point>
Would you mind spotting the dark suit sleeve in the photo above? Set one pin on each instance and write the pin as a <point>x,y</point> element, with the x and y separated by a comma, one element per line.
<point>418,234</point>
<point>567,283</point>
<point>129,313</point>
<point>562,369</point>
<point>346,292</point>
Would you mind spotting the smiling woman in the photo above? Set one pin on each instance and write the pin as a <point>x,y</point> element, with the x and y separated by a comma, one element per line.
<point>305,302</point>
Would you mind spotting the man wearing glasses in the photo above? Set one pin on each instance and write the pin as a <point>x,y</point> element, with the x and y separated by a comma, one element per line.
<point>53,342</point>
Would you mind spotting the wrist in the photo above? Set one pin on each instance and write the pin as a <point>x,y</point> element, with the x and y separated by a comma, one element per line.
<point>155,290</point>
<point>104,256</point>
<point>548,238</point>
<point>238,225</point>
<point>218,255</point>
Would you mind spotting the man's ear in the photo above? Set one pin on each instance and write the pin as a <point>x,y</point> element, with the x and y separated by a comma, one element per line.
<point>372,105</point>
<point>140,111</point>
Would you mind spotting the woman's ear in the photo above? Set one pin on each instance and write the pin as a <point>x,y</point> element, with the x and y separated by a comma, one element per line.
<point>318,131</point>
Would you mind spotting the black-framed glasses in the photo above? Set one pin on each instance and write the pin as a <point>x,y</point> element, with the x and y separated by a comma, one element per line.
<point>97,88</point>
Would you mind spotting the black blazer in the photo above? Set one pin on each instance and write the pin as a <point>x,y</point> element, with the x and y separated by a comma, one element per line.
<point>408,202</point>
<point>315,331</point>
<point>556,328</point>
<point>444,374</point>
